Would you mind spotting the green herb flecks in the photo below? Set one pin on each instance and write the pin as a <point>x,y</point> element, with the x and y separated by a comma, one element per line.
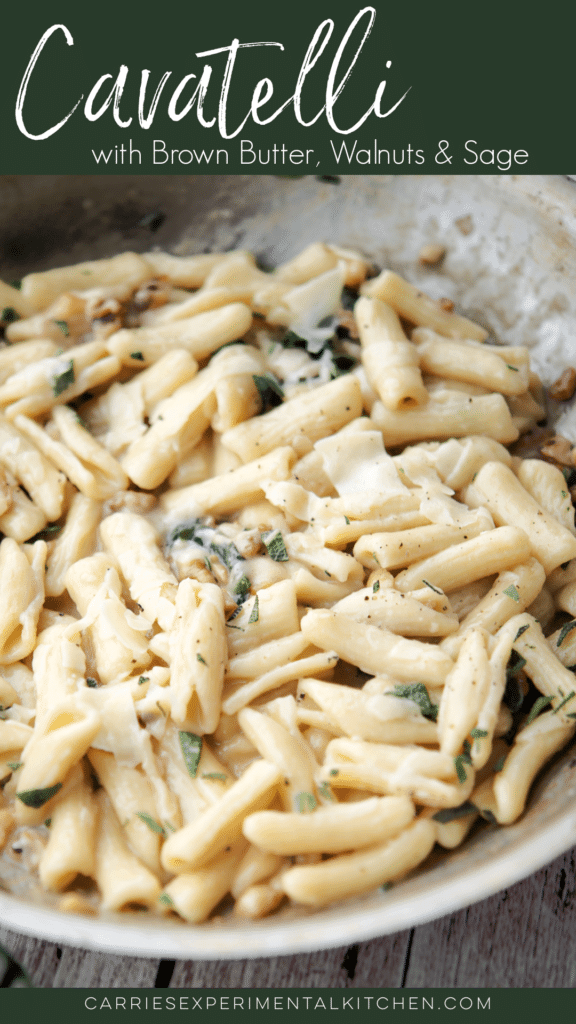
<point>448,814</point>
<point>523,630</point>
<point>567,628</point>
<point>292,340</point>
<point>9,315</point>
<point>376,586</point>
<point>270,390</point>
<point>459,763</point>
<point>219,776</point>
<point>499,764</point>
<point>200,658</point>
<point>254,614</point>
<point>143,679</point>
<point>274,544</point>
<point>512,593</point>
<point>478,734</point>
<point>92,683</point>
<point>432,587</point>
<point>563,702</point>
<point>227,553</point>
<point>242,589</point>
<point>166,899</point>
<point>14,765</point>
<point>137,355</point>
<point>539,704</point>
<point>153,825</point>
<point>38,797</point>
<point>63,327</point>
<point>191,746</point>
<point>305,802</point>
<point>62,381</point>
<point>417,693</point>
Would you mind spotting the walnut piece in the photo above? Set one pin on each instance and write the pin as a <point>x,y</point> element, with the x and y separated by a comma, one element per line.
<point>563,388</point>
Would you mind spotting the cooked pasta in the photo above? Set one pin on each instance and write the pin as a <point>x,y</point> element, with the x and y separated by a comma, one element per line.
<point>275,582</point>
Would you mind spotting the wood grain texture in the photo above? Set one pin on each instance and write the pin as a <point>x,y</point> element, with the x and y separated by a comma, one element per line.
<point>336,968</point>
<point>520,938</point>
<point>52,966</point>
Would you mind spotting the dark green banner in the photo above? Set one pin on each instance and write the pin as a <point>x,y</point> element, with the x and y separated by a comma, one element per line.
<point>492,1006</point>
<point>297,88</point>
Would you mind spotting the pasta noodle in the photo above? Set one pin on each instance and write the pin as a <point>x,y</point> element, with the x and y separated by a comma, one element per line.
<point>284,610</point>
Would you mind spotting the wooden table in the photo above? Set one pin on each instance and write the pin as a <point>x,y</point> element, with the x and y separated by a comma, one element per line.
<point>521,938</point>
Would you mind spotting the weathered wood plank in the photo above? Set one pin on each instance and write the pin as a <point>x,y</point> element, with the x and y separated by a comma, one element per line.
<point>380,962</point>
<point>520,938</point>
<point>82,969</point>
<point>39,959</point>
<point>52,966</point>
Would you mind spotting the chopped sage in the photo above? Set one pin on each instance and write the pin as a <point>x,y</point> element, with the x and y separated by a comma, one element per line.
<point>137,355</point>
<point>376,586</point>
<point>191,746</point>
<point>523,630</point>
<point>200,658</point>
<point>215,775</point>
<point>563,702</point>
<point>62,381</point>
<point>242,589</point>
<point>274,544</point>
<point>38,797</point>
<point>305,802</point>
<point>153,825</point>
<point>539,704</point>
<point>459,763</point>
<point>417,693</point>
<point>267,385</point>
<point>227,553</point>
<point>512,592</point>
<point>254,614</point>
<point>432,587</point>
<point>63,327</point>
<point>567,628</point>
<point>448,814</point>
